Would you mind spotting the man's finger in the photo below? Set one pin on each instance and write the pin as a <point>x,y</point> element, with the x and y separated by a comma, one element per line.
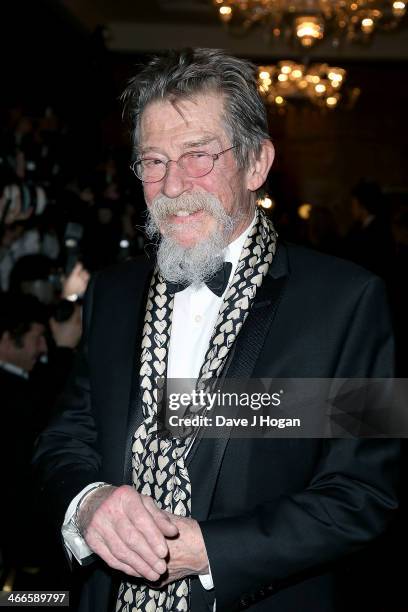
<point>115,552</point>
<point>161,518</point>
<point>143,521</point>
<point>137,542</point>
<point>102,550</point>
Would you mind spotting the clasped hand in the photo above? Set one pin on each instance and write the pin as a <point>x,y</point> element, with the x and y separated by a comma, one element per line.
<point>132,534</point>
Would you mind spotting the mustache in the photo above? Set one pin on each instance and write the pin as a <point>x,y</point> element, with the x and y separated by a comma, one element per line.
<point>162,206</point>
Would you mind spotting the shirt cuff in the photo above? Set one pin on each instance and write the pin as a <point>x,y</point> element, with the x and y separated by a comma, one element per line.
<point>73,541</point>
<point>207,580</point>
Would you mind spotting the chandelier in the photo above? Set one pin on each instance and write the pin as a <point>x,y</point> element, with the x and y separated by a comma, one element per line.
<point>320,84</point>
<point>308,21</point>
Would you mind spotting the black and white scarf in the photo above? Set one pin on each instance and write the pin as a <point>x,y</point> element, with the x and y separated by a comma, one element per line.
<point>158,463</point>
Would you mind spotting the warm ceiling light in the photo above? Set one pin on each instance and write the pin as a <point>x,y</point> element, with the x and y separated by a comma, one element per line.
<point>304,211</point>
<point>331,101</point>
<point>226,13</point>
<point>286,69</point>
<point>266,202</point>
<point>308,21</point>
<point>336,75</point>
<point>398,8</point>
<point>319,83</point>
<point>367,25</point>
<point>308,30</point>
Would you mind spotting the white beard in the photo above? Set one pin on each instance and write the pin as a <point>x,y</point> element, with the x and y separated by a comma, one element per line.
<point>190,265</point>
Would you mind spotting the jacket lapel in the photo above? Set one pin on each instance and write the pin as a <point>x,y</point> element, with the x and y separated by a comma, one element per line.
<point>207,454</point>
<point>135,413</point>
<point>118,355</point>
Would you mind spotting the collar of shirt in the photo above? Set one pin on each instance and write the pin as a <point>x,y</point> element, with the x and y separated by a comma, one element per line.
<point>233,250</point>
<point>13,369</point>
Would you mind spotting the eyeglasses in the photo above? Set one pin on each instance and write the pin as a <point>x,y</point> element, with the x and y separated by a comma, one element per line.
<point>194,164</point>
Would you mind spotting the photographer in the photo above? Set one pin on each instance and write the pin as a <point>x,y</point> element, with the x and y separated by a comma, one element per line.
<point>38,276</point>
<point>21,205</point>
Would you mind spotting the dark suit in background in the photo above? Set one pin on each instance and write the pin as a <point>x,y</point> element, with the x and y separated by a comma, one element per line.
<point>18,435</point>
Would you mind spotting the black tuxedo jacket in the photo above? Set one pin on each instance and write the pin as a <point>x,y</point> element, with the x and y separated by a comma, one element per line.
<point>18,411</point>
<point>276,514</point>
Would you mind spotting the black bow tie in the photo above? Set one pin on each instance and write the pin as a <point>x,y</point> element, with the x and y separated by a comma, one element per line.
<point>217,283</point>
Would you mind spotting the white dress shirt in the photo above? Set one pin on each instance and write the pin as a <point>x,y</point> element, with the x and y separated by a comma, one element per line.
<point>194,315</point>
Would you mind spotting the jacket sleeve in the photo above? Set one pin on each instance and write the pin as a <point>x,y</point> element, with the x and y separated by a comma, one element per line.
<point>66,457</point>
<point>346,503</point>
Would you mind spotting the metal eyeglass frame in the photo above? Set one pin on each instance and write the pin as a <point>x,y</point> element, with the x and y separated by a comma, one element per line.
<point>213,156</point>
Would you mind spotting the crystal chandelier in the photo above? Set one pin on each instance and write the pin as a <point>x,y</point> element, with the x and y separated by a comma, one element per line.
<point>320,84</point>
<point>308,21</point>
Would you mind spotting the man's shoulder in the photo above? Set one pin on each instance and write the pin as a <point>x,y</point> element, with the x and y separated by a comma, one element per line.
<point>116,292</point>
<point>15,394</point>
<point>127,275</point>
<point>10,378</point>
<point>317,268</point>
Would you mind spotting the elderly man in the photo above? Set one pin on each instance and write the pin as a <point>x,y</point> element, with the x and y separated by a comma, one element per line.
<point>197,523</point>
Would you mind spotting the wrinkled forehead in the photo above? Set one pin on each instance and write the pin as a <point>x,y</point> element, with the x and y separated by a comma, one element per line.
<point>203,112</point>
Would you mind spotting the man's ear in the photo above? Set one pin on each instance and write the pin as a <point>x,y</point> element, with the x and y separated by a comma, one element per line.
<point>259,166</point>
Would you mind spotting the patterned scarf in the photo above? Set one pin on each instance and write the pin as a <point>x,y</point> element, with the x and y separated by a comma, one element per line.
<point>158,462</point>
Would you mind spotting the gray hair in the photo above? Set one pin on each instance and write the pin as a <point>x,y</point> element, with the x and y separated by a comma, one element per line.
<point>182,74</point>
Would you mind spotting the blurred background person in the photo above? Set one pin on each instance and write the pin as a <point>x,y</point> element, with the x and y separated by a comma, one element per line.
<point>22,343</point>
<point>39,332</point>
<point>322,232</point>
<point>369,242</point>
